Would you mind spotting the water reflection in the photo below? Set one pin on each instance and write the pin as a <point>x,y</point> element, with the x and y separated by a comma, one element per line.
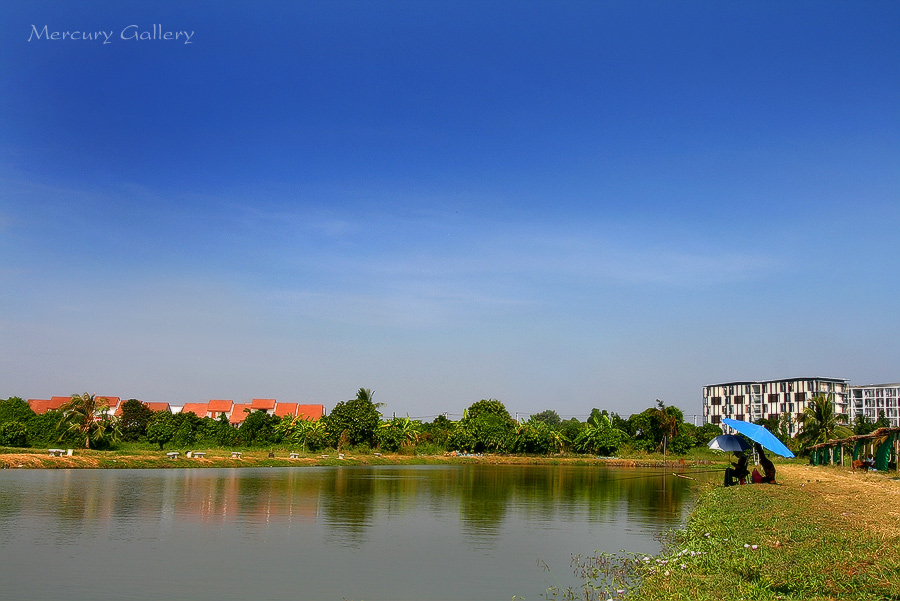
<point>491,522</point>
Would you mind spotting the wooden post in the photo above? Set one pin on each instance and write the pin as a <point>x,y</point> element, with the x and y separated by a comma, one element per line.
<point>897,451</point>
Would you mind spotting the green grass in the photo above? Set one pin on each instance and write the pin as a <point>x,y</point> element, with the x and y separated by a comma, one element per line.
<point>757,542</point>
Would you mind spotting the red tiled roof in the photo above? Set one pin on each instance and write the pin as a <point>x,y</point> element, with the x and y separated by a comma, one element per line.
<point>198,409</point>
<point>40,405</point>
<point>161,406</point>
<point>313,412</point>
<point>237,414</point>
<point>220,406</point>
<point>267,404</point>
<point>282,409</point>
<point>59,400</point>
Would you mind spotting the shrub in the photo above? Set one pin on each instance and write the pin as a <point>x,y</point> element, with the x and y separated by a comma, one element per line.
<point>13,434</point>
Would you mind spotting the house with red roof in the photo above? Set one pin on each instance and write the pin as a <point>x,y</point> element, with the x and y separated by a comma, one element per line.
<point>284,409</point>
<point>216,407</point>
<point>198,409</point>
<point>267,405</point>
<point>153,406</point>
<point>311,412</point>
<point>43,405</point>
<point>238,413</point>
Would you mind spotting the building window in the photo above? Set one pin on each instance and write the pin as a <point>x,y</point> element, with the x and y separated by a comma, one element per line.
<point>716,419</point>
<point>716,400</point>
<point>773,398</point>
<point>739,399</point>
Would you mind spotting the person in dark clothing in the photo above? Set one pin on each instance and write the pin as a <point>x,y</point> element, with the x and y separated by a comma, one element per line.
<point>738,471</point>
<point>767,465</point>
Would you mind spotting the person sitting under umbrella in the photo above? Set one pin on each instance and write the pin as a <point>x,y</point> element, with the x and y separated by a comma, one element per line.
<point>767,465</point>
<point>739,471</point>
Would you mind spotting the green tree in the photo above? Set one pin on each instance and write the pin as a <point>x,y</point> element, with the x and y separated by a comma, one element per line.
<point>821,423</point>
<point>162,428</point>
<point>309,434</point>
<point>258,429</point>
<point>706,433</point>
<point>86,415</point>
<point>134,419</point>
<point>538,437</point>
<point>490,425</point>
<point>186,427</point>
<point>397,433</point>
<point>598,436</point>
<point>226,434</point>
<point>13,434</point>
<point>15,409</point>
<point>656,426</point>
<point>548,416</point>
<point>355,420</point>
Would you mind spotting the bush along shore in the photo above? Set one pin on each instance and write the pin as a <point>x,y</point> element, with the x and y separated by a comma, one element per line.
<point>822,533</point>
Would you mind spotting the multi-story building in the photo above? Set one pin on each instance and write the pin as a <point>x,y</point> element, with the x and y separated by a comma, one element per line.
<point>753,400</point>
<point>873,399</point>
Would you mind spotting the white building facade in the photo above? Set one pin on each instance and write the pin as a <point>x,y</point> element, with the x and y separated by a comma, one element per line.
<point>764,399</point>
<point>872,400</point>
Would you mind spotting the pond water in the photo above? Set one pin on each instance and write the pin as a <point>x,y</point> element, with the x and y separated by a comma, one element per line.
<point>467,532</point>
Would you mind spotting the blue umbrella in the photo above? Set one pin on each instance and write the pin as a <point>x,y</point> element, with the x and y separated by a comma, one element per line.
<point>759,434</point>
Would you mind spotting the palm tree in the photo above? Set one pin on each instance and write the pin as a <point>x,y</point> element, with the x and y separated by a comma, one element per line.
<point>86,415</point>
<point>821,423</point>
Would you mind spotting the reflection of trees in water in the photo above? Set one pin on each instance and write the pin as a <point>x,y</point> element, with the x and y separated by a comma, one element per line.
<point>347,501</point>
<point>484,499</point>
<point>348,504</point>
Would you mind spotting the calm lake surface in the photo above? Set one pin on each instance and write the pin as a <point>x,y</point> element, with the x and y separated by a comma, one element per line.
<point>468,532</point>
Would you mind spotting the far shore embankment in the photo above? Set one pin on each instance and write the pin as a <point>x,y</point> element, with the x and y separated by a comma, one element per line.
<point>150,459</point>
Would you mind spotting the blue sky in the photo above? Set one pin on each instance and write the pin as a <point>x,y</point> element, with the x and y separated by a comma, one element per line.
<point>561,205</point>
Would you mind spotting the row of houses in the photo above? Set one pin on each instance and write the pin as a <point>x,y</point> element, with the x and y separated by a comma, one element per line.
<point>766,399</point>
<point>214,408</point>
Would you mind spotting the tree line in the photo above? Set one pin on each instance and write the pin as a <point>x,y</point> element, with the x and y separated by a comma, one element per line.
<point>486,427</point>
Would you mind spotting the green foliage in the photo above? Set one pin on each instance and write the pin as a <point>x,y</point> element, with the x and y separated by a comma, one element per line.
<point>599,437</point>
<point>486,426</point>
<point>184,429</point>
<point>461,438</point>
<point>15,409</point>
<point>705,433</point>
<point>134,419</point>
<point>396,433</point>
<point>437,433</point>
<point>162,428</point>
<point>537,437</point>
<point>354,422</point>
<point>13,434</point>
<point>225,433</point>
<point>85,415</point>
<point>569,429</point>
<point>308,434</point>
<point>548,416</point>
<point>821,423</point>
<point>487,407</point>
<point>654,425</point>
<point>42,430</point>
<point>258,429</point>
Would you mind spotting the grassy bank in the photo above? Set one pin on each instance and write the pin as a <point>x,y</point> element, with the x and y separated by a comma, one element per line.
<point>823,533</point>
<point>138,457</point>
